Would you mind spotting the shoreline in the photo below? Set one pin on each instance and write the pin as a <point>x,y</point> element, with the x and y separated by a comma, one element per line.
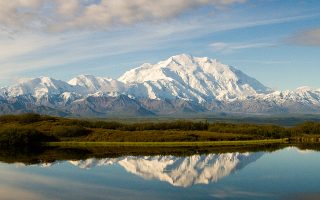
<point>167,144</point>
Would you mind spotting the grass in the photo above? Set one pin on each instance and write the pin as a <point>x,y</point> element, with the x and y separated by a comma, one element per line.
<point>168,144</point>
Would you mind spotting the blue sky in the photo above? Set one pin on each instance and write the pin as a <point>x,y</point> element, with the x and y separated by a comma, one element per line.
<point>276,42</point>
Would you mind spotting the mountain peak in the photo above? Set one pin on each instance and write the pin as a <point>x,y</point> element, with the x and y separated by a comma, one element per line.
<point>304,89</point>
<point>187,58</point>
<point>41,79</point>
<point>192,78</point>
<point>92,84</point>
<point>39,87</point>
<point>182,57</point>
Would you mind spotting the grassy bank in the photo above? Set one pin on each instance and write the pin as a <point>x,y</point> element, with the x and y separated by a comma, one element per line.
<point>168,144</point>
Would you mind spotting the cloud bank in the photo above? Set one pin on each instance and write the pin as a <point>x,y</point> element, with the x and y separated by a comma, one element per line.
<point>59,15</point>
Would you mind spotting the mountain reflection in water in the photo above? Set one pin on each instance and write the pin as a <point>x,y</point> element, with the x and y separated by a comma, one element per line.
<point>178,171</point>
<point>285,173</point>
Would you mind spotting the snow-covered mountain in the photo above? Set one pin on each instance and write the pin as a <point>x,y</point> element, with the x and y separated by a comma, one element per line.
<point>180,84</point>
<point>191,78</point>
<point>39,87</point>
<point>304,95</point>
<point>178,171</point>
<point>91,84</point>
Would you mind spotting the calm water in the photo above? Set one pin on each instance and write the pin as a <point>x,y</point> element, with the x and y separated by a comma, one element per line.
<point>288,173</point>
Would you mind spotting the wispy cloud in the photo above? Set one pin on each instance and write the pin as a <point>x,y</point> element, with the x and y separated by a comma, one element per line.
<point>264,62</point>
<point>309,37</point>
<point>25,49</point>
<point>268,21</point>
<point>231,47</point>
<point>36,51</point>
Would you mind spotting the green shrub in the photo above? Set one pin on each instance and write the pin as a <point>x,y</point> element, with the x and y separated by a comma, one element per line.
<point>107,125</point>
<point>23,118</point>
<point>141,126</point>
<point>69,131</point>
<point>175,125</point>
<point>75,122</point>
<point>21,137</point>
<point>307,128</point>
<point>270,131</point>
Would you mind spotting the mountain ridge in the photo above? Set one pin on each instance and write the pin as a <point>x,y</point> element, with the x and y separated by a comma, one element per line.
<point>179,84</point>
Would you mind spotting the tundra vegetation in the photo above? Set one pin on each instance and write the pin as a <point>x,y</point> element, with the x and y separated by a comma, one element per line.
<point>34,129</point>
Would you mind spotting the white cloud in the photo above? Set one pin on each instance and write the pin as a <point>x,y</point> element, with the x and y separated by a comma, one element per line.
<point>59,15</point>
<point>231,47</point>
<point>67,8</point>
<point>15,13</point>
<point>36,51</point>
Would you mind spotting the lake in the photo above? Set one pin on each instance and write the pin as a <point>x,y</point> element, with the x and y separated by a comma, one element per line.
<point>285,173</point>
